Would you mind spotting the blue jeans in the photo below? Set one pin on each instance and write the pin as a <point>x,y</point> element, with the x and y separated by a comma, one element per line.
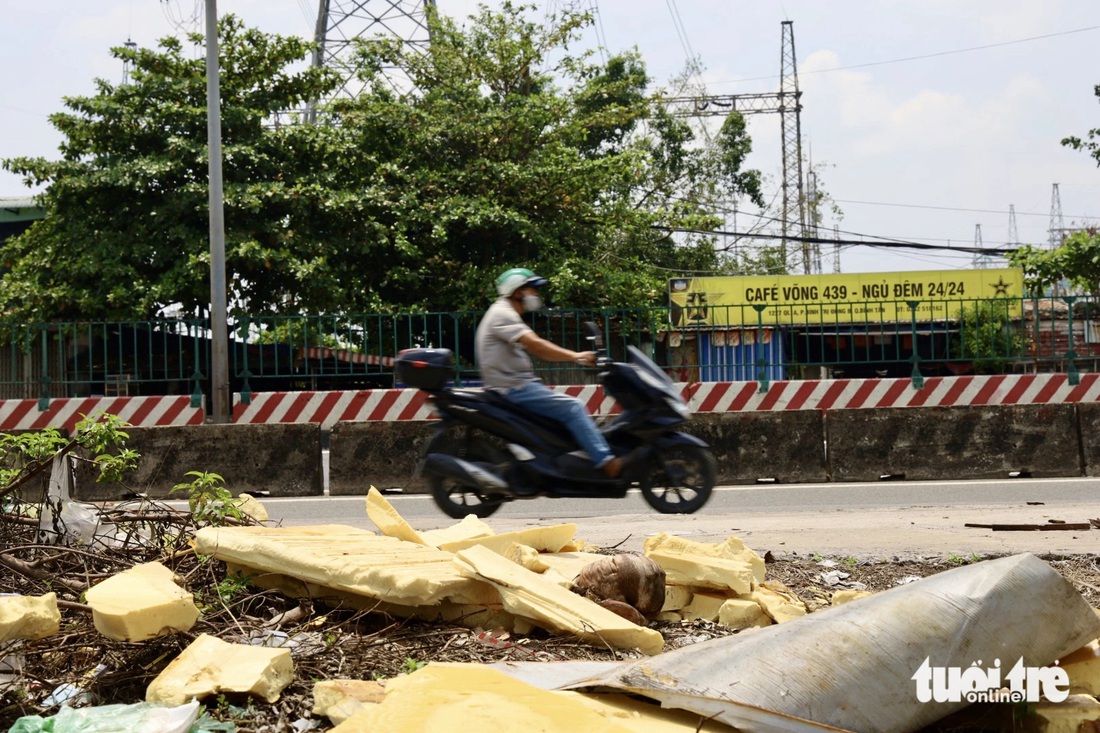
<point>540,399</point>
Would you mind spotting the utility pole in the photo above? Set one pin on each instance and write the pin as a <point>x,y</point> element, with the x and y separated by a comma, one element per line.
<point>219,327</point>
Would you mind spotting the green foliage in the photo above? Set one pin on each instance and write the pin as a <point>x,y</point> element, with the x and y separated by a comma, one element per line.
<point>1077,261</point>
<point>1091,143</point>
<point>102,435</point>
<point>954,558</point>
<point>508,149</point>
<point>126,205</point>
<point>19,451</point>
<point>98,438</point>
<point>232,587</point>
<point>208,499</point>
<point>987,337</point>
<point>411,665</point>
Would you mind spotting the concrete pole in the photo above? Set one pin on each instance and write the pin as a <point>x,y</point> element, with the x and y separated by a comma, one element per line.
<point>219,350</point>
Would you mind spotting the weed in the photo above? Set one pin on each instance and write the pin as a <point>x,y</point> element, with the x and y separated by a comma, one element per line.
<point>411,665</point>
<point>209,501</point>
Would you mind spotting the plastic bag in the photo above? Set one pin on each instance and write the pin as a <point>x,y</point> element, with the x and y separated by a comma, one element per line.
<point>140,717</point>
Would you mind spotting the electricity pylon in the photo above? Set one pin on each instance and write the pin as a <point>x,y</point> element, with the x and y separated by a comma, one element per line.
<point>787,103</point>
<point>340,22</point>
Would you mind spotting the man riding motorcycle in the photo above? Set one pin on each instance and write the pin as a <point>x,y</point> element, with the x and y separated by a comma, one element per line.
<point>504,344</point>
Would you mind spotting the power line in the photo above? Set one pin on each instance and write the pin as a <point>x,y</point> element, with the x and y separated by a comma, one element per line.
<point>945,208</point>
<point>880,243</point>
<point>922,56</point>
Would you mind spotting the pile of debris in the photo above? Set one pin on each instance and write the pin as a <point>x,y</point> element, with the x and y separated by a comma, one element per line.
<point>763,663</point>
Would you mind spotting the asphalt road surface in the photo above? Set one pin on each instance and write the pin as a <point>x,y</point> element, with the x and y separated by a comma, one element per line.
<point>865,520</point>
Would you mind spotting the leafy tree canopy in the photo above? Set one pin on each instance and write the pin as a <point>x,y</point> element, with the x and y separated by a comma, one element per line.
<point>509,150</point>
<point>1077,261</point>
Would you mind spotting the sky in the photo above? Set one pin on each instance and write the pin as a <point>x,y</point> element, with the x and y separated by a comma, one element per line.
<point>924,120</point>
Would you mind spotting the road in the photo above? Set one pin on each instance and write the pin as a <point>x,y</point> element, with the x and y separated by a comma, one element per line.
<point>864,520</point>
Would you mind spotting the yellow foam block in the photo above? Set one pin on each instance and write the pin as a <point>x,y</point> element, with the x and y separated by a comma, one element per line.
<point>471,698</point>
<point>387,519</point>
<point>543,539</point>
<point>28,617</point>
<point>209,666</point>
<point>733,548</point>
<point>779,606</point>
<point>141,603</point>
<point>338,700</point>
<point>742,613</point>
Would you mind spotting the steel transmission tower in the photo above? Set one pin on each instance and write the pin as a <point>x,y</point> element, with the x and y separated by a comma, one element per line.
<point>790,121</point>
<point>981,260</point>
<point>786,102</point>
<point>1057,225</point>
<point>340,22</point>
<point>1013,232</point>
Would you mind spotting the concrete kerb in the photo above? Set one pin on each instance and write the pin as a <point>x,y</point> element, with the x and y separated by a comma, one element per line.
<point>272,460</point>
<point>954,442</point>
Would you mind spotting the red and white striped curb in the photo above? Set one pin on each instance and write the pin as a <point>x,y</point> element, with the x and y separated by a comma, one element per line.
<point>391,405</point>
<point>66,413</point>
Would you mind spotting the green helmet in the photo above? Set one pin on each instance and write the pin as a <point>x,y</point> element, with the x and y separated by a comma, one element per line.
<point>511,280</point>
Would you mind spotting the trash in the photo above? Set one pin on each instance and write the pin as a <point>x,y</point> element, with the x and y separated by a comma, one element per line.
<point>141,716</point>
<point>834,577</point>
<point>1012,608</point>
<point>68,522</point>
<point>1052,526</point>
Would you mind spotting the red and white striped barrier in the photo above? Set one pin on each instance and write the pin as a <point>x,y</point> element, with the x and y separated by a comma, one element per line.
<point>66,413</point>
<point>328,408</point>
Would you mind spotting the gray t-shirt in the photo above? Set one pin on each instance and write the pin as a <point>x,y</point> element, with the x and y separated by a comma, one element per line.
<point>503,361</point>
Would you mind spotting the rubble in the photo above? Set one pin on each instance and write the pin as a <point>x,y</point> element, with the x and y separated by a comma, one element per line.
<point>507,587</point>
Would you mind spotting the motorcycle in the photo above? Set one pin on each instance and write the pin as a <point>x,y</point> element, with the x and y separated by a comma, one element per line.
<point>486,451</point>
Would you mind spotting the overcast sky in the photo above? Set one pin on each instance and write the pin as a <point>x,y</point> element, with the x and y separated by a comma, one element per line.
<point>924,118</point>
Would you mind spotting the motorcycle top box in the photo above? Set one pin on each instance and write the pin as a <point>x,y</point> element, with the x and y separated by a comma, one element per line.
<point>427,369</point>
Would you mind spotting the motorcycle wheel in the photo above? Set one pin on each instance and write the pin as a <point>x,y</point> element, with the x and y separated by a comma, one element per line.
<point>456,499</point>
<point>679,479</point>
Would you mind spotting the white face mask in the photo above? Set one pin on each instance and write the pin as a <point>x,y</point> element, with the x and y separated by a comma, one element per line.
<point>531,303</point>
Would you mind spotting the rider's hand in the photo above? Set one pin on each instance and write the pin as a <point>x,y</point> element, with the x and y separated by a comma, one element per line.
<point>586,358</point>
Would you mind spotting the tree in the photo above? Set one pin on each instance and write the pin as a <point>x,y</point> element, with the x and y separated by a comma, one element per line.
<point>1076,260</point>
<point>507,150</point>
<point>510,151</point>
<point>126,229</point>
<point>1091,143</point>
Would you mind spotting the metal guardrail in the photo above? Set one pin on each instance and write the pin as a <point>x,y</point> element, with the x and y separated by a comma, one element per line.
<point>290,353</point>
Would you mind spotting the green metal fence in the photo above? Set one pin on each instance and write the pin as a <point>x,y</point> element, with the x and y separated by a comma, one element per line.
<point>288,353</point>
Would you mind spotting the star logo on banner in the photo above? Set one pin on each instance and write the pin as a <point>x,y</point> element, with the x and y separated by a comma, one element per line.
<point>1000,288</point>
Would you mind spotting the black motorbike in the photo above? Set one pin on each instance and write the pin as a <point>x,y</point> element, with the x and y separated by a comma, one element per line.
<point>486,451</point>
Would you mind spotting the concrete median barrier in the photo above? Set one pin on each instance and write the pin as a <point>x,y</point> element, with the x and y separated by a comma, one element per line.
<point>379,454</point>
<point>949,443</point>
<point>787,447</point>
<point>1088,416</point>
<point>280,459</point>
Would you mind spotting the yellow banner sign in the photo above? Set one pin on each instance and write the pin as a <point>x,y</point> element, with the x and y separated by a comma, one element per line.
<point>878,297</point>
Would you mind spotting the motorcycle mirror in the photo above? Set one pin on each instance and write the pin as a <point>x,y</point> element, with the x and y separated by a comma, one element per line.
<point>595,335</point>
